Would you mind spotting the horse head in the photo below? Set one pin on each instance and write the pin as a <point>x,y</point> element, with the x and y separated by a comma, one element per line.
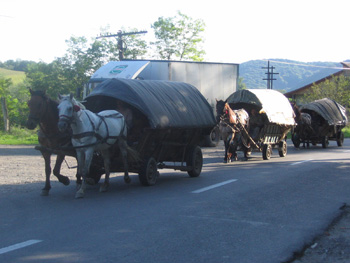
<point>66,110</point>
<point>38,106</point>
<point>297,112</point>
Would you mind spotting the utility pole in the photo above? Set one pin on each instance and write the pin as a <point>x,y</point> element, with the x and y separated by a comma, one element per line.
<point>120,40</point>
<point>270,74</point>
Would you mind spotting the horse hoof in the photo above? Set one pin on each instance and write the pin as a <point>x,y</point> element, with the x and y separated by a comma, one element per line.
<point>79,195</point>
<point>90,181</point>
<point>103,188</point>
<point>64,180</point>
<point>127,179</point>
<point>44,192</point>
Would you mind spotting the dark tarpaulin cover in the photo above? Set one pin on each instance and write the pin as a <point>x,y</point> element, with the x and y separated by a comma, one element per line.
<point>164,103</point>
<point>330,110</point>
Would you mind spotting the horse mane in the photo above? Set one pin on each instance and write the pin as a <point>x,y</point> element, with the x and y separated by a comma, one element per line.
<point>78,103</point>
<point>296,110</point>
<point>74,101</point>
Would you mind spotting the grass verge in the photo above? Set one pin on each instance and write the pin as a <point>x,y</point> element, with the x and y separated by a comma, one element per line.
<point>18,136</point>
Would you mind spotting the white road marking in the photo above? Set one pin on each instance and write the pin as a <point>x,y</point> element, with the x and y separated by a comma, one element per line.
<point>213,186</point>
<point>18,246</point>
<point>301,162</point>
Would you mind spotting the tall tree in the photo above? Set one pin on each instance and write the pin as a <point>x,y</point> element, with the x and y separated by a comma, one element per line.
<point>4,85</point>
<point>179,37</point>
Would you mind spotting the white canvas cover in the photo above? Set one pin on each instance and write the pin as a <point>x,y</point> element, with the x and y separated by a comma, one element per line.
<point>120,69</point>
<point>273,103</point>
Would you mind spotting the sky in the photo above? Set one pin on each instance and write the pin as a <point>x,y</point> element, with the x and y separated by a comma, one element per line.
<point>236,30</point>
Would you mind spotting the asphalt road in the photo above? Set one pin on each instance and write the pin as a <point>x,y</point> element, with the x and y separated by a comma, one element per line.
<point>255,211</point>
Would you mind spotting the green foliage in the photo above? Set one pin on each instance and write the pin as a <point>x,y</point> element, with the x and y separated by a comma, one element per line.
<point>16,97</point>
<point>17,136</point>
<point>179,37</point>
<point>346,132</point>
<point>241,85</point>
<point>336,88</point>
<point>18,65</point>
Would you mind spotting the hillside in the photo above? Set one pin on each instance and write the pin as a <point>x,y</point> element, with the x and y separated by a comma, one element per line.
<point>16,76</point>
<point>290,73</point>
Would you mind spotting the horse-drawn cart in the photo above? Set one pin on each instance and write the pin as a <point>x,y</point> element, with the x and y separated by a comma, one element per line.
<point>166,121</point>
<point>327,120</point>
<point>270,119</point>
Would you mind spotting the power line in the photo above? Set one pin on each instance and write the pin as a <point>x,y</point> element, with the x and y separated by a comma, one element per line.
<point>304,65</point>
<point>120,40</point>
<point>270,74</point>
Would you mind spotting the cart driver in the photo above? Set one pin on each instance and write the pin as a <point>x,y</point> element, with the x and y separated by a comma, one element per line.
<point>127,113</point>
<point>256,122</point>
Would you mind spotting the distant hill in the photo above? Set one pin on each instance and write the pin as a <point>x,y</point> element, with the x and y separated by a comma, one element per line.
<point>292,74</point>
<point>16,76</point>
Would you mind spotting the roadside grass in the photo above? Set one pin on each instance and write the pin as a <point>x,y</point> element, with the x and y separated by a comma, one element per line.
<point>18,136</point>
<point>22,136</point>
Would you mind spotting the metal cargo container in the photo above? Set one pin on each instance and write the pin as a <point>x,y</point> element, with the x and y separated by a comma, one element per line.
<point>213,80</point>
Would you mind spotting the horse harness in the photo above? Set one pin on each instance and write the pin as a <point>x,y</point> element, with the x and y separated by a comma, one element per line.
<point>240,128</point>
<point>94,133</point>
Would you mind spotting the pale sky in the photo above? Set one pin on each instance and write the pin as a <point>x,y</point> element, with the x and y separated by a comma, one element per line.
<point>236,30</point>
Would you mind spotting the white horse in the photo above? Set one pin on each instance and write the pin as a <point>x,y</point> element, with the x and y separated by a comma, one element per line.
<point>93,132</point>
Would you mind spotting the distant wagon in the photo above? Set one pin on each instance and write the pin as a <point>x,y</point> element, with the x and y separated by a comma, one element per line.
<point>328,118</point>
<point>277,118</point>
<point>168,120</point>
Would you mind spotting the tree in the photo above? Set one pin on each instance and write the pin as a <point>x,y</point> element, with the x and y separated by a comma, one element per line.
<point>179,37</point>
<point>336,88</point>
<point>4,86</point>
<point>241,85</point>
<point>48,77</point>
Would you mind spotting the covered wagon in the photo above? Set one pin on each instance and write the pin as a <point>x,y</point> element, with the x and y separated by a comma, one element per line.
<point>166,122</point>
<point>276,118</point>
<point>328,118</point>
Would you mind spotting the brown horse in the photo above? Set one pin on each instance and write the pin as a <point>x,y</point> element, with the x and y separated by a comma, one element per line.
<point>43,112</point>
<point>231,124</point>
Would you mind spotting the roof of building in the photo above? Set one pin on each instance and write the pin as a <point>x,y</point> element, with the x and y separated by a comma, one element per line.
<point>315,78</point>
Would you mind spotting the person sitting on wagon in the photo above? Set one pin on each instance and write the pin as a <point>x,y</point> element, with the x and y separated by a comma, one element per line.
<point>256,122</point>
<point>127,113</point>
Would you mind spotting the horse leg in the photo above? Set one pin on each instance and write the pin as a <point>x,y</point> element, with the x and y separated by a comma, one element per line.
<point>84,161</point>
<point>245,151</point>
<point>123,149</point>
<point>226,151</point>
<point>56,170</point>
<point>107,162</point>
<point>79,174</point>
<point>47,187</point>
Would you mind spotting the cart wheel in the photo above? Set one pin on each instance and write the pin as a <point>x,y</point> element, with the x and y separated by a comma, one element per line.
<point>267,151</point>
<point>296,140</point>
<point>325,142</point>
<point>148,173</point>
<point>340,138</point>
<point>195,161</point>
<point>282,148</point>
